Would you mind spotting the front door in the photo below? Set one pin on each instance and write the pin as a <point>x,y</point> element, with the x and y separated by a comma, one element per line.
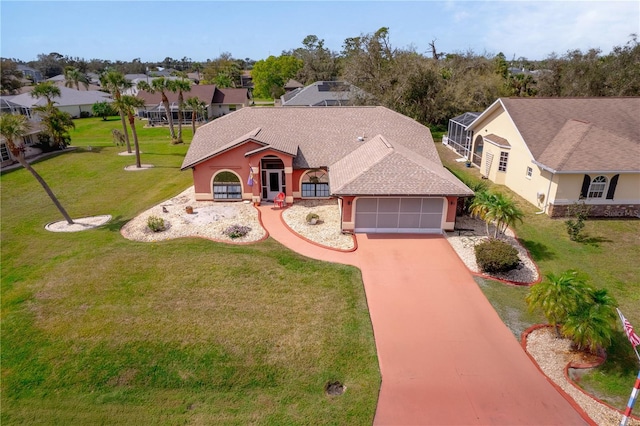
<point>274,183</point>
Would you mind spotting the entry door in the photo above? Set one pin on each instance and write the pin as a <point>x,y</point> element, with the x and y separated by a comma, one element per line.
<point>274,183</point>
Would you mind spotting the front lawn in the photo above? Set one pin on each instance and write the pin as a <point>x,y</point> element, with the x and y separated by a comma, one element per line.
<point>608,255</point>
<point>97,329</point>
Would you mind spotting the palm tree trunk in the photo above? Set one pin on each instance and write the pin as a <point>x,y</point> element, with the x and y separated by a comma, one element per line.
<point>180,117</point>
<point>132,123</point>
<point>165,103</point>
<point>194,114</point>
<point>124,124</point>
<point>46,187</point>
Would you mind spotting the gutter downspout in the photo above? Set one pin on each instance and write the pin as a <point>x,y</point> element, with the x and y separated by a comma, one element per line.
<point>546,197</point>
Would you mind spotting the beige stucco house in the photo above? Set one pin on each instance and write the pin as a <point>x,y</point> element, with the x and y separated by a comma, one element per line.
<point>557,151</point>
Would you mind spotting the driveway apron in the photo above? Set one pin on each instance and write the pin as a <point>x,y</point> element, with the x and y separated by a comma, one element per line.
<point>445,356</point>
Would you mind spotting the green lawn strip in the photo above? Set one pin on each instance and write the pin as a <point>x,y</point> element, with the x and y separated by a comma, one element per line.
<point>99,329</point>
<point>608,255</point>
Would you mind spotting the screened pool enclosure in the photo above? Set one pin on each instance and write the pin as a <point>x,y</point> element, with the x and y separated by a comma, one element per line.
<point>458,137</point>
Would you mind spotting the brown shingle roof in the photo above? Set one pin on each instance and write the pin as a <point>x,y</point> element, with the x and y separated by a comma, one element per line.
<point>231,96</point>
<point>319,137</point>
<point>497,140</point>
<point>607,139</point>
<point>380,168</point>
<point>324,135</point>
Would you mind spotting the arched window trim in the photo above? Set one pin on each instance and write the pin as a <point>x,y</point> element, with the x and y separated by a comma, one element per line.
<point>315,184</point>
<point>226,191</point>
<point>598,187</point>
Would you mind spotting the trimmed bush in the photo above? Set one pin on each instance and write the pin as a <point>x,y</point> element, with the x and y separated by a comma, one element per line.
<point>312,216</point>
<point>155,223</point>
<point>495,255</point>
<point>236,231</point>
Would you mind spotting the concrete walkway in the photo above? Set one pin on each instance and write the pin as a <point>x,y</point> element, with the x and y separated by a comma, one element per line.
<point>445,356</point>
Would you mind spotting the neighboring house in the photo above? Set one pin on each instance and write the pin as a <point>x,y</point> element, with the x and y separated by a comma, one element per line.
<point>555,152</point>
<point>219,102</point>
<point>292,85</point>
<point>458,137</point>
<point>381,165</point>
<point>73,101</point>
<point>61,81</point>
<point>32,73</point>
<point>29,141</point>
<point>324,93</point>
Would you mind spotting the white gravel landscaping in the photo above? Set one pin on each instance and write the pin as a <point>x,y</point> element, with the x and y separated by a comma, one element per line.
<point>327,231</point>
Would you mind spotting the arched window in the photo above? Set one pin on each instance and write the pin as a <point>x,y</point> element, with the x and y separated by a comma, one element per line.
<point>226,186</point>
<point>315,184</point>
<point>597,187</point>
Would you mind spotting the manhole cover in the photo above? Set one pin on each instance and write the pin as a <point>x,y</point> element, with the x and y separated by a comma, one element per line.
<point>334,388</point>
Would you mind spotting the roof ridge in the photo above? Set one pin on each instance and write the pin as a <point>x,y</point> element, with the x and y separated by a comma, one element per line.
<point>586,126</point>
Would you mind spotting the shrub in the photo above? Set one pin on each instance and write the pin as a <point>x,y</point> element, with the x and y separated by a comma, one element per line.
<point>236,231</point>
<point>494,255</point>
<point>155,223</point>
<point>312,216</point>
<point>579,211</point>
<point>85,114</point>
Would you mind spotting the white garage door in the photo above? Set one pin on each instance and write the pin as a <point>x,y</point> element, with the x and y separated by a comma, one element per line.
<point>395,215</point>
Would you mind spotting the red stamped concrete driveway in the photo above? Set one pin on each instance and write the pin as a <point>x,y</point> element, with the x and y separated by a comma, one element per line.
<point>445,356</point>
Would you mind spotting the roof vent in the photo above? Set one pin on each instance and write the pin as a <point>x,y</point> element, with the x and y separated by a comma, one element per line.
<point>360,138</point>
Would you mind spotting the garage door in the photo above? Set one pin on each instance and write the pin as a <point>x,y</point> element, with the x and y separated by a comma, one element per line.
<point>394,215</point>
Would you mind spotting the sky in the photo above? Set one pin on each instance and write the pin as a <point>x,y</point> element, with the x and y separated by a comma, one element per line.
<point>201,30</point>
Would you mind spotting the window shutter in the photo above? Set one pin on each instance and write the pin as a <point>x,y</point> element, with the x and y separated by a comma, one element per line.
<point>585,186</point>
<point>612,187</point>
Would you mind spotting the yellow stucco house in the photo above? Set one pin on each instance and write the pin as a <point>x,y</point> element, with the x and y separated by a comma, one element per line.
<point>556,151</point>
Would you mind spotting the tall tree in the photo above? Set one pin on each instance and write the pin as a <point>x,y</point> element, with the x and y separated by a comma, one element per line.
<point>114,82</point>
<point>318,62</point>
<point>197,107</point>
<point>127,105</point>
<point>223,71</point>
<point>181,85</point>
<point>73,77</point>
<point>11,78</point>
<point>270,75</point>
<point>161,85</point>
<point>12,128</point>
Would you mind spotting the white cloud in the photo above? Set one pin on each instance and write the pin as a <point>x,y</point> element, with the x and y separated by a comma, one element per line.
<point>536,29</point>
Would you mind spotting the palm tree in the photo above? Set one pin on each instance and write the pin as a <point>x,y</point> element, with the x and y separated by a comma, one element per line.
<point>180,86</point>
<point>57,123</point>
<point>47,90</point>
<point>73,77</point>
<point>12,128</point>
<point>114,82</point>
<point>480,206</point>
<point>503,211</point>
<point>161,85</point>
<point>126,105</point>
<point>591,325</point>
<point>197,107</point>
<point>557,296</point>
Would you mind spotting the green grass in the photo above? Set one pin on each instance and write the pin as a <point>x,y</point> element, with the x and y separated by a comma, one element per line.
<point>608,255</point>
<point>97,329</point>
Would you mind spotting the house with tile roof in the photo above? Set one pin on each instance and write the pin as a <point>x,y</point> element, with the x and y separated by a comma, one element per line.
<point>555,152</point>
<point>72,101</point>
<point>218,101</point>
<point>380,165</point>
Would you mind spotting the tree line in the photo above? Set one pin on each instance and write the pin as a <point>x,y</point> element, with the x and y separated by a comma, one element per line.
<point>430,88</point>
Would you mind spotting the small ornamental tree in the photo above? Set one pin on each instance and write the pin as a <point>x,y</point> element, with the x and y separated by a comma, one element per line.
<point>577,214</point>
<point>103,109</point>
